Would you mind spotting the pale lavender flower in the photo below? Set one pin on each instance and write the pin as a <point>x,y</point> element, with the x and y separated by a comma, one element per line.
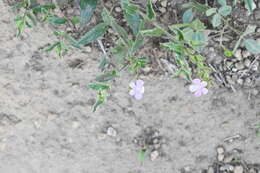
<point>137,89</point>
<point>198,87</point>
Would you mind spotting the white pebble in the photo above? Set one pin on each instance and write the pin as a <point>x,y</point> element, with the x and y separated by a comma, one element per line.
<point>111,132</point>
<point>238,169</point>
<point>154,155</point>
<point>88,49</point>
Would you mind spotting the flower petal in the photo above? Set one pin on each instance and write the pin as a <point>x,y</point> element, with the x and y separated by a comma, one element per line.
<point>203,84</point>
<point>193,88</point>
<point>138,96</point>
<point>205,91</point>
<point>132,92</point>
<point>141,90</point>
<point>132,85</point>
<point>196,81</point>
<point>139,83</point>
<point>198,93</point>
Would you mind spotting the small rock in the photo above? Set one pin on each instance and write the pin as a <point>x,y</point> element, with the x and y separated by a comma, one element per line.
<point>248,82</point>
<point>228,159</point>
<point>258,29</point>
<point>88,49</point>
<point>221,157</point>
<point>157,146</point>
<point>75,124</point>
<point>111,132</point>
<point>239,65</point>
<point>245,54</point>
<point>154,155</point>
<point>110,30</point>
<point>254,92</point>
<point>252,170</point>
<point>255,66</point>
<point>156,141</point>
<point>238,55</point>
<point>118,9</point>
<point>238,169</point>
<point>164,3</point>
<point>162,9</point>
<point>247,63</point>
<point>69,29</point>
<point>240,81</point>
<point>210,170</point>
<point>220,150</point>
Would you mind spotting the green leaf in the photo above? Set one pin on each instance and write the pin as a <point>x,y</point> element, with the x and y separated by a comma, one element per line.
<point>75,20</point>
<point>252,46</point>
<point>50,48</point>
<point>149,10</point>
<point>99,86</point>
<point>211,11</point>
<point>225,10</point>
<point>106,76</point>
<point>156,32</point>
<point>57,20</point>
<point>109,20</point>
<point>87,8</point>
<point>216,20</point>
<point>134,21</point>
<point>92,35</point>
<point>249,5</point>
<point>222,2</point>
<point>197,25</point>
<point>141,155</point>
<point>101,99</point>
<point>20,24</point>
<point>32,18</point>
<point>136,44</point>
<point>187,33</point>
<point>177,48</point>
<point>43,8</point>
<point>228,53</point>
<point>199,38</point>
<point>198,6</point>
<point>187,16</point>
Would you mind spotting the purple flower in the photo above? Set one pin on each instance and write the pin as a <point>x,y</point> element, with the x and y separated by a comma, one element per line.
<point>198,87</point>
<point>137,89</point>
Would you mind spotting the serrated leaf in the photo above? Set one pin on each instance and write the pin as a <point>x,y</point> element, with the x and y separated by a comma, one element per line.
<point>211,11</point>
<point>106,76</point>
<point>252,46</point>
<point>92,35</point>
<point>187,16</point>
<point>99,86</point>
<point>216,20</point>
<point>225,10</point>
<point>57,20</point>
<point>87,8</point>
<point>149,10</point>
<point>222,2</point>
<point>156,32</point>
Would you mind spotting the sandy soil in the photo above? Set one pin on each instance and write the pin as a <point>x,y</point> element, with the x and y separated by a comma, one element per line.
<point>46,123</point>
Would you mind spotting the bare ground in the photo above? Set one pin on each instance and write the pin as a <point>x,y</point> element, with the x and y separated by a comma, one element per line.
<point>46,123</point>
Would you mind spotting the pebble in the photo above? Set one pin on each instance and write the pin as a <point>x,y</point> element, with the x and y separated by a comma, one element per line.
<point>252,170</point>
<point>238,55</point>
<point>164,3</point>
<point>240,81</point>
<point>254,92</point>
<point>239,65</point>
<point>162,9</point>
<point>247,63</point>
<point>111,132</point>
<point>210,170</point>
<point>118,9</point>
<point>154,155</point>
<point>88,49</point>
<point>255,66</point>
<point>221,157</point>
<point>238,169</point>
<point>245,54</point>
<point>220,150</point>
